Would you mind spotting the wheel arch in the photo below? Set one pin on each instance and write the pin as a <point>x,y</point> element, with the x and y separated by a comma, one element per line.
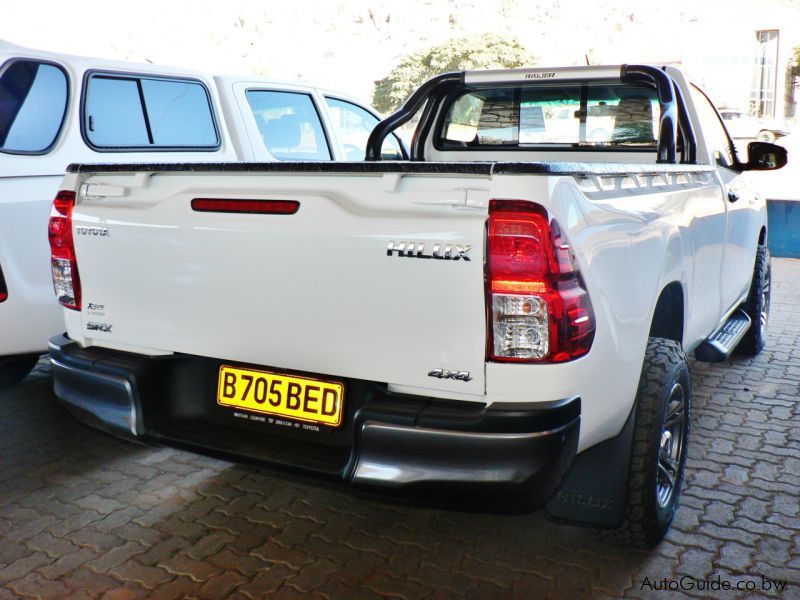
<point>668,316</point>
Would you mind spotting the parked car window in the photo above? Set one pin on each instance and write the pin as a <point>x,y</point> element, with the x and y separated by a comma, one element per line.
<point>114,113</point>
<point>130,112</point>
<point>730,115</point>
<point>713,129</point>
<point>289,124</point>
<point>551,115</point>
<point>179,113</point>
<point>354,124</point>
<point>33,103</point>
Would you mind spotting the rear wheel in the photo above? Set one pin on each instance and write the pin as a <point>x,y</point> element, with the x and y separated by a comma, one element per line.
<point>15,368</point>
<point>757,305</point>
<point>661,431</point>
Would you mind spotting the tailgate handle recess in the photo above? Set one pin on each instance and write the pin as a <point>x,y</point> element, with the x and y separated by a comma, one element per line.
<point>107,190</point>
<point>102,190</point>
<point>466,198</point>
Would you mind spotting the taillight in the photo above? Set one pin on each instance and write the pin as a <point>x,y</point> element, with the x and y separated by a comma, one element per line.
<point>3,288</point>
<point>66,282</point>
<point>539,310</point>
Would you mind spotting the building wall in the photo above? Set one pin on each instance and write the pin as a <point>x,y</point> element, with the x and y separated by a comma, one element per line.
<point>722,59</point>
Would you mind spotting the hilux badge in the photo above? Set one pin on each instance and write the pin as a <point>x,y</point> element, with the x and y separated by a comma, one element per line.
<point>439,250</point>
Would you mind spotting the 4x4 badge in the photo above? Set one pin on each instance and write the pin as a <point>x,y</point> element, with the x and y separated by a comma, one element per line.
<point>445,374</point>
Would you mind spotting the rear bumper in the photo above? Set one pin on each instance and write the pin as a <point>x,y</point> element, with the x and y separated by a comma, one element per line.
<point>404,445</point>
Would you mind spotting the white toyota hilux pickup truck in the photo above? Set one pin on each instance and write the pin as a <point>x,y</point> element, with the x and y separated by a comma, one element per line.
<point>56,109</point>
<point>502,320</point>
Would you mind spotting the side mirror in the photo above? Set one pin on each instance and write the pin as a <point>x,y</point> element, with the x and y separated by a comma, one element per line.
<point>762,156</point>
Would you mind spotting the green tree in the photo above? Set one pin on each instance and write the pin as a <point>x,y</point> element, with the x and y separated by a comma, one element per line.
<point>487,51</point>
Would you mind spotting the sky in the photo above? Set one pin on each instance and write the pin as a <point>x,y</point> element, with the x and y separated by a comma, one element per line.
<point>346,45</point>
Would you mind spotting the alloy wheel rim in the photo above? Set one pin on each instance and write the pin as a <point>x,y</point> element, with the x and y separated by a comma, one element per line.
<point>670,450</point>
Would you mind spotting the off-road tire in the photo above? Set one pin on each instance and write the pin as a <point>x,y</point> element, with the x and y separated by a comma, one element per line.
<point>14,371</point>
<point>757,302</point>
<point>646,521</point>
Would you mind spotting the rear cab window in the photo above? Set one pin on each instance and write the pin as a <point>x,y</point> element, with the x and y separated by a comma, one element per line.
<point>123,112</point>
<point>289,124</point>
<point>557,116</point>
<point>33,105</point>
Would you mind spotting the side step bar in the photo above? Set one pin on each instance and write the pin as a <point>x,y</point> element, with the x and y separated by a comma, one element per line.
<point>720,345</point>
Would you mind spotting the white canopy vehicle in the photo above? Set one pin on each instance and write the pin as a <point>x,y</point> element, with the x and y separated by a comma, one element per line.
<point>56,109</point>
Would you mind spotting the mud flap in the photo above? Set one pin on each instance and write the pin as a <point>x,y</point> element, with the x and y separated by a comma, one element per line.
<point>594,491</point>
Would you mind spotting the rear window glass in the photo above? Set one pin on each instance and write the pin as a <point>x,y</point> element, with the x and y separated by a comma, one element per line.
<point>289,125</point>
<point>129,112</point>
<point>33,103</point>
<point>569,115</point>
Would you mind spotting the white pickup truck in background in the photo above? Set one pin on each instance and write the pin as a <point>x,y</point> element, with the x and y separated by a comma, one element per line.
<point>502,320</point>
<point>56,109</point>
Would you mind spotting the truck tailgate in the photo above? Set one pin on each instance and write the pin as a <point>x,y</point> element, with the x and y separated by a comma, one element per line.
<point>316,291</point>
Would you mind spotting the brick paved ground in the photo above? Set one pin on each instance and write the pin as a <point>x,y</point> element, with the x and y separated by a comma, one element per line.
<point>85,515</point>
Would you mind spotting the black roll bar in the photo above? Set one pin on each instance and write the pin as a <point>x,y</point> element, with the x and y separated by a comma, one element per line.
<point>673,112</point>
<point>408,110</point>
<point>686,130</point>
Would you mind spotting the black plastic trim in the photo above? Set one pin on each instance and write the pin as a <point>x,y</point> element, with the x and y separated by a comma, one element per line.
<point>103,398</point>
<point>595,489</point>
<point>460,450</point>
<point>521,470</point>
<point>138,76</point>
<point>290,167</point>
<point>64,115</point>
<point>486,169</point>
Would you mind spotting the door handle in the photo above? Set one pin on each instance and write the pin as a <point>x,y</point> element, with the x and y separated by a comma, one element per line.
<point>733,197</point>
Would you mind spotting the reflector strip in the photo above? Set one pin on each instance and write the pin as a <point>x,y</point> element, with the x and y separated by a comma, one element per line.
<point>261,207</point>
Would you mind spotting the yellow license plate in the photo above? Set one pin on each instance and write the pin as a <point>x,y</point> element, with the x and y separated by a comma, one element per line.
<point>290,396</point>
